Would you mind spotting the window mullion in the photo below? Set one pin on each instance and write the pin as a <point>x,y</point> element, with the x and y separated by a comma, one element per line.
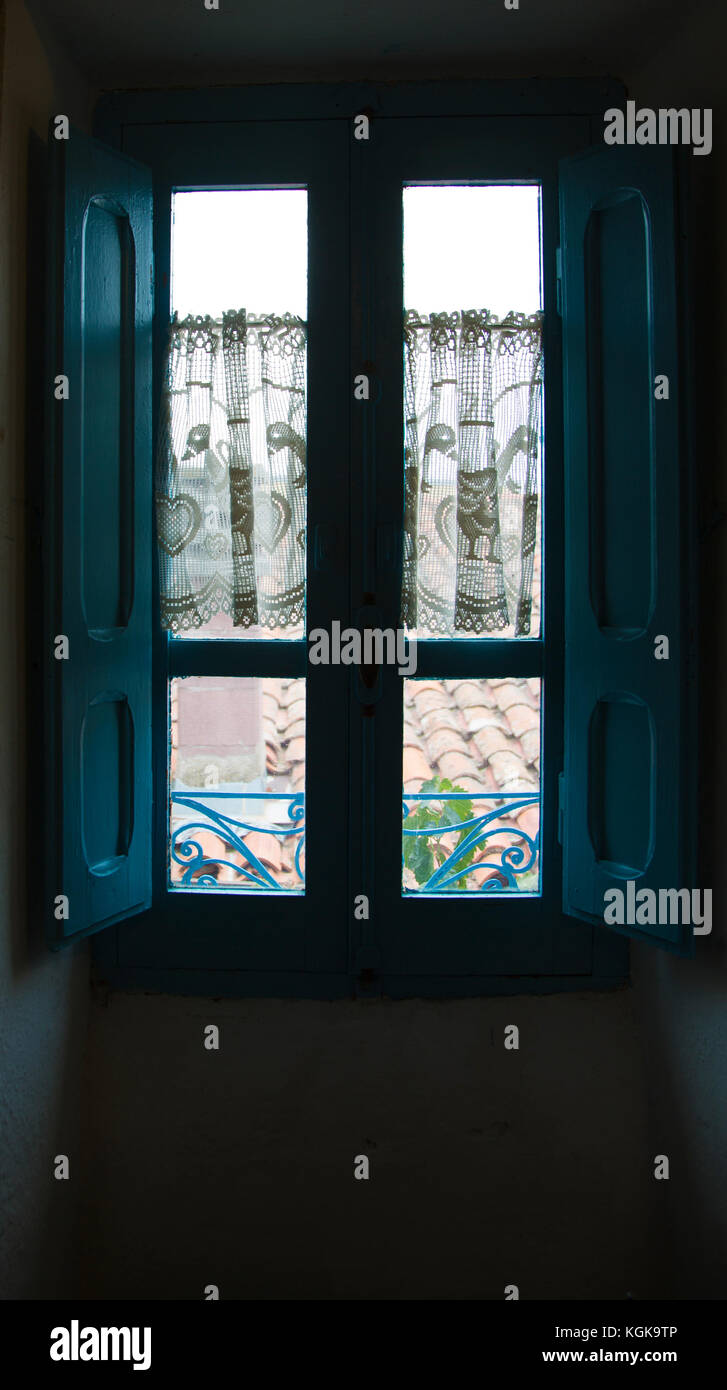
<point>489,657</point>
<point>236,658</point>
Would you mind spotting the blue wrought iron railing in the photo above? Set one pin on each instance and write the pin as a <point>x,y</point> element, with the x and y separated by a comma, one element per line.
<point>450,865</point>
<point>456,864</point>
<point>231,830</point>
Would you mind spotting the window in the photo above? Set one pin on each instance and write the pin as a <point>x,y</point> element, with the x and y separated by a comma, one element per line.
<point>238,823</point>
<point>233,475</point>
<point>472,528</point>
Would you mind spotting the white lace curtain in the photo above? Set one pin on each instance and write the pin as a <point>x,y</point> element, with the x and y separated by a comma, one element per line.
<point>231,478</point>
<point>231,481</point>
<point>472,469</point>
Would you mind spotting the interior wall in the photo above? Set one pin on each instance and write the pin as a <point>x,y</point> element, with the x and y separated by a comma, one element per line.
<point>682,1005</point>
<point>43,998</point>
<point>137,44</point>
<point>488,1166</point>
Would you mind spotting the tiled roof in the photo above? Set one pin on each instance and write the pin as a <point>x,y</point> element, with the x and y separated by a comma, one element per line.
<point>482,735</point>
<point>283,720</point>
<point>284,733</point>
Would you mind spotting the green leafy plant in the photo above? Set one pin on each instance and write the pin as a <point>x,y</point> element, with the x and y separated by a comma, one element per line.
<point>423,854</point>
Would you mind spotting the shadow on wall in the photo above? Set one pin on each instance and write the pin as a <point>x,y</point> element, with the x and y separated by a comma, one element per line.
<point>683,1022</point>
<point>682,1005</point>
<point>43,998</point>
<point>488,1166</point>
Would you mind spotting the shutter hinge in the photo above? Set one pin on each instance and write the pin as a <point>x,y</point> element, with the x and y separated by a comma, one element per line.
<point>559,280</point>
<point>561,806</point>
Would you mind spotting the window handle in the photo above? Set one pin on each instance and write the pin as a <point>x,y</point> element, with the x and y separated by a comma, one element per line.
<point>369,674</point>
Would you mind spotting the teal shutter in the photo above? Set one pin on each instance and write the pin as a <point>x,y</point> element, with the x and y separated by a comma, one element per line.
<point>97,540</point>
<point>627,802</point>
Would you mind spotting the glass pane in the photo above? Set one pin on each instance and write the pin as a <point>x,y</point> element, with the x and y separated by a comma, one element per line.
<point>471,786</point>
<point>237,783</point>
<point>473,373</point>
<point>232,515</point>
<point>240,248</point>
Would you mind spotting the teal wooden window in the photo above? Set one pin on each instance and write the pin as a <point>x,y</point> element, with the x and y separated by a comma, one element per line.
<point>616,797</point>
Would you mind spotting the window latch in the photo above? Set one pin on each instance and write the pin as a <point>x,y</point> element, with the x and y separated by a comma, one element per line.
<point>369,676</point>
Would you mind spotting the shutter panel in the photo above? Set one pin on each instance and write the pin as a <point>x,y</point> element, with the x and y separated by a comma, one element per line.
<point>97,542</point>
<point>629,803</point>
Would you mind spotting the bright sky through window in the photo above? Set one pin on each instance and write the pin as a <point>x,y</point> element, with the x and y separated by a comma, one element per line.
<point>472,247</point>
<point>465,247</point>
<point>240,249</point>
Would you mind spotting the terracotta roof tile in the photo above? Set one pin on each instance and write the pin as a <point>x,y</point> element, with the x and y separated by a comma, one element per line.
<point>294,711</point>
<point>519,783</point>
<point>530,742</point>
<point>491,740</point>
<point>411,721</point>
<point>455,766</point>
<point>430,698</point>
<point>440,719</point>
<point>472,693</point>
<point>412,740</point>
<point>529,820</point>
<point>441,741</point>
<point>296,750</point>
<point>500,824</point>
<point>416,767</point>
<point>419,685</point>
<point>522,718</point>
<point>511,693</point>
<point>494,847</point>
<point>509,771</point>
<point>483,717</point>
<point>483,781</point>
<point>266,848</point>
<point>271,704</point>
